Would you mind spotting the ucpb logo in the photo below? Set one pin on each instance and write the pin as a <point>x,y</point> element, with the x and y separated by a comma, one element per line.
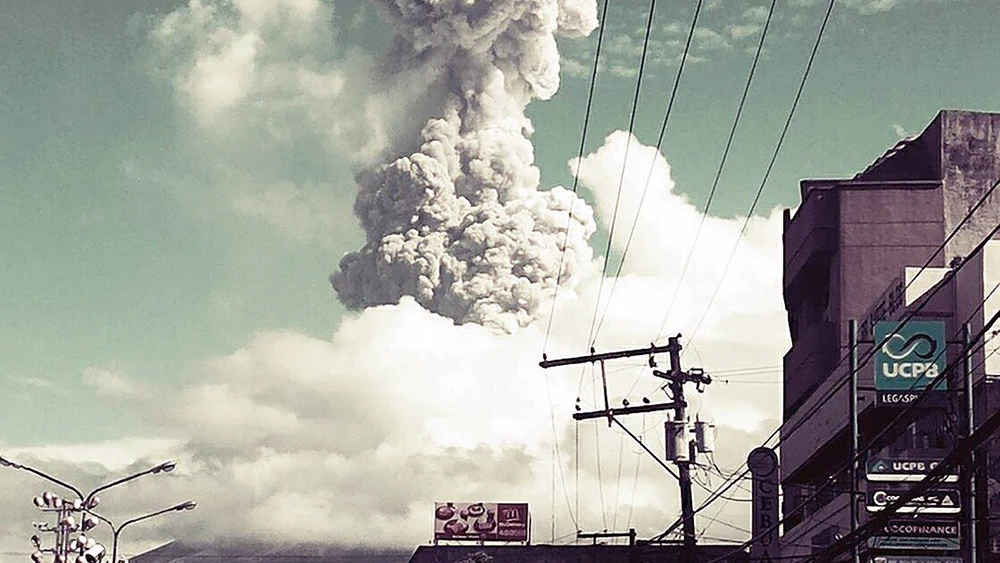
<point>921,345</point>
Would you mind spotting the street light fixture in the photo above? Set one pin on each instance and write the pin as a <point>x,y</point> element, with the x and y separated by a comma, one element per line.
<point>89,550</point>
<point>117,530</point>
<point>91,500</point>
<point>86,500</point>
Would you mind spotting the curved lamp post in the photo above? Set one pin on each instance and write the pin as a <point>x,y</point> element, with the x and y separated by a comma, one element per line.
<point>117,530</point>
<point>8,463</point>
<point>165,467</point>
<point>89,501</point>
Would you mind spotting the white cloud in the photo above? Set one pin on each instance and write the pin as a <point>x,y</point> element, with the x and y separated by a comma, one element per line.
<point>294,437</point>
<point>313,214</point>
<point>742,31</point>
<point>276,108</point>
<point>112,383</point>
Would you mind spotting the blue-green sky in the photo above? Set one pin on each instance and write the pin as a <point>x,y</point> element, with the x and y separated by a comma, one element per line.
<point>145,231</point>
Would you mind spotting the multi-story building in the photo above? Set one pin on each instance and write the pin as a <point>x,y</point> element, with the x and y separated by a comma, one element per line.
<point>856,249</point>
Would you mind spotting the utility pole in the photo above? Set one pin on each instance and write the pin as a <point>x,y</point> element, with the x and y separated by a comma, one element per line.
<point>680,448</point>
<point>852,409</point>
<point>969,502</point>
<point>677,378</point>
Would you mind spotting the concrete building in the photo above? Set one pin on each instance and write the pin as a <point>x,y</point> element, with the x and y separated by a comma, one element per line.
<point>852,250</point>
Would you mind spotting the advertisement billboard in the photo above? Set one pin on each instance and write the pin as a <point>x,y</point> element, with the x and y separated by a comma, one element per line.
<point>481,521</point>
<point>910,357</point>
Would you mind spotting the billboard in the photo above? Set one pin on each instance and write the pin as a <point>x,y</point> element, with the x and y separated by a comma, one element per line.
<point>481,521</point>
<point>911,356</point>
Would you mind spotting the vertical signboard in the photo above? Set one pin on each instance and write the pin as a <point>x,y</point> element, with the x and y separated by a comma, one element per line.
<point>763,464</point>
<point>481,521</point>
<point>910,358</point>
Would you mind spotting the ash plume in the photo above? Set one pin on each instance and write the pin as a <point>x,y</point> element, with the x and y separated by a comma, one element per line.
<point>460,224</point>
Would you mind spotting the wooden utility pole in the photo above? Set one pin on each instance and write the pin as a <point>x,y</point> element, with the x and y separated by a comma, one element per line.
<point>677,378</point>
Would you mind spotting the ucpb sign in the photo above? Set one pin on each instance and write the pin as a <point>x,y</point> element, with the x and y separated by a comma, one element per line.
<point>909,357</point>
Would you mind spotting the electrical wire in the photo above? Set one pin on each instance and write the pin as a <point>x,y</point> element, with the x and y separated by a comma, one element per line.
<point>618,482</point>
<point>722,165</point>
<point>951,367</point>
<point>906,318</point>
<point>978,248</point>
<point>649,175</point>
<point>621,180</point>
<point>770,166</point>
<point>579,161</point>
<point>557,462</point>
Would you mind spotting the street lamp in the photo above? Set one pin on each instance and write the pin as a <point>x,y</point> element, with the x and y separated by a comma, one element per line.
<point>89,550</point>
<point>89,500</point>
<point>165,467</point>
<point>8,463</point>
<point>117,530</point>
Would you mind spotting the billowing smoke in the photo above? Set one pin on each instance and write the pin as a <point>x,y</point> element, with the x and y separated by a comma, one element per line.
<point>460,223</point>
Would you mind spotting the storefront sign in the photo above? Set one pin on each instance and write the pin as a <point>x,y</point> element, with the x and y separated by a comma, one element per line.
<point>917,534</point>
<point>941,501</point>
<point>487,521</point>
<point>910,358</point>
<point>903,470</point>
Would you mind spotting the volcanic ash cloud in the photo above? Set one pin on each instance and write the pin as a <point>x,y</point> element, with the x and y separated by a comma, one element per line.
<point>460,223</point>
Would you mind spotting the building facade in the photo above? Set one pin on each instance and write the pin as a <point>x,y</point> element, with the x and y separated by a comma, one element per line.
<point>875,248</point>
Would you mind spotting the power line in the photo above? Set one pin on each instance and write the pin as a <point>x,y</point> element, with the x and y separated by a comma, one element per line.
<point>649,175</point>
<point>925,393</point>
<point>579,160</point>
<point>770,165</point>
<point>935,476</point>
<point>621,180</point>
<point>978,248</point>
<point>722,165</point>
<point>907,317</point>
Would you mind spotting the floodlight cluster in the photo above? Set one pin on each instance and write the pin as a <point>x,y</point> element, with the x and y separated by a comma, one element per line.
<point>72,517</point>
